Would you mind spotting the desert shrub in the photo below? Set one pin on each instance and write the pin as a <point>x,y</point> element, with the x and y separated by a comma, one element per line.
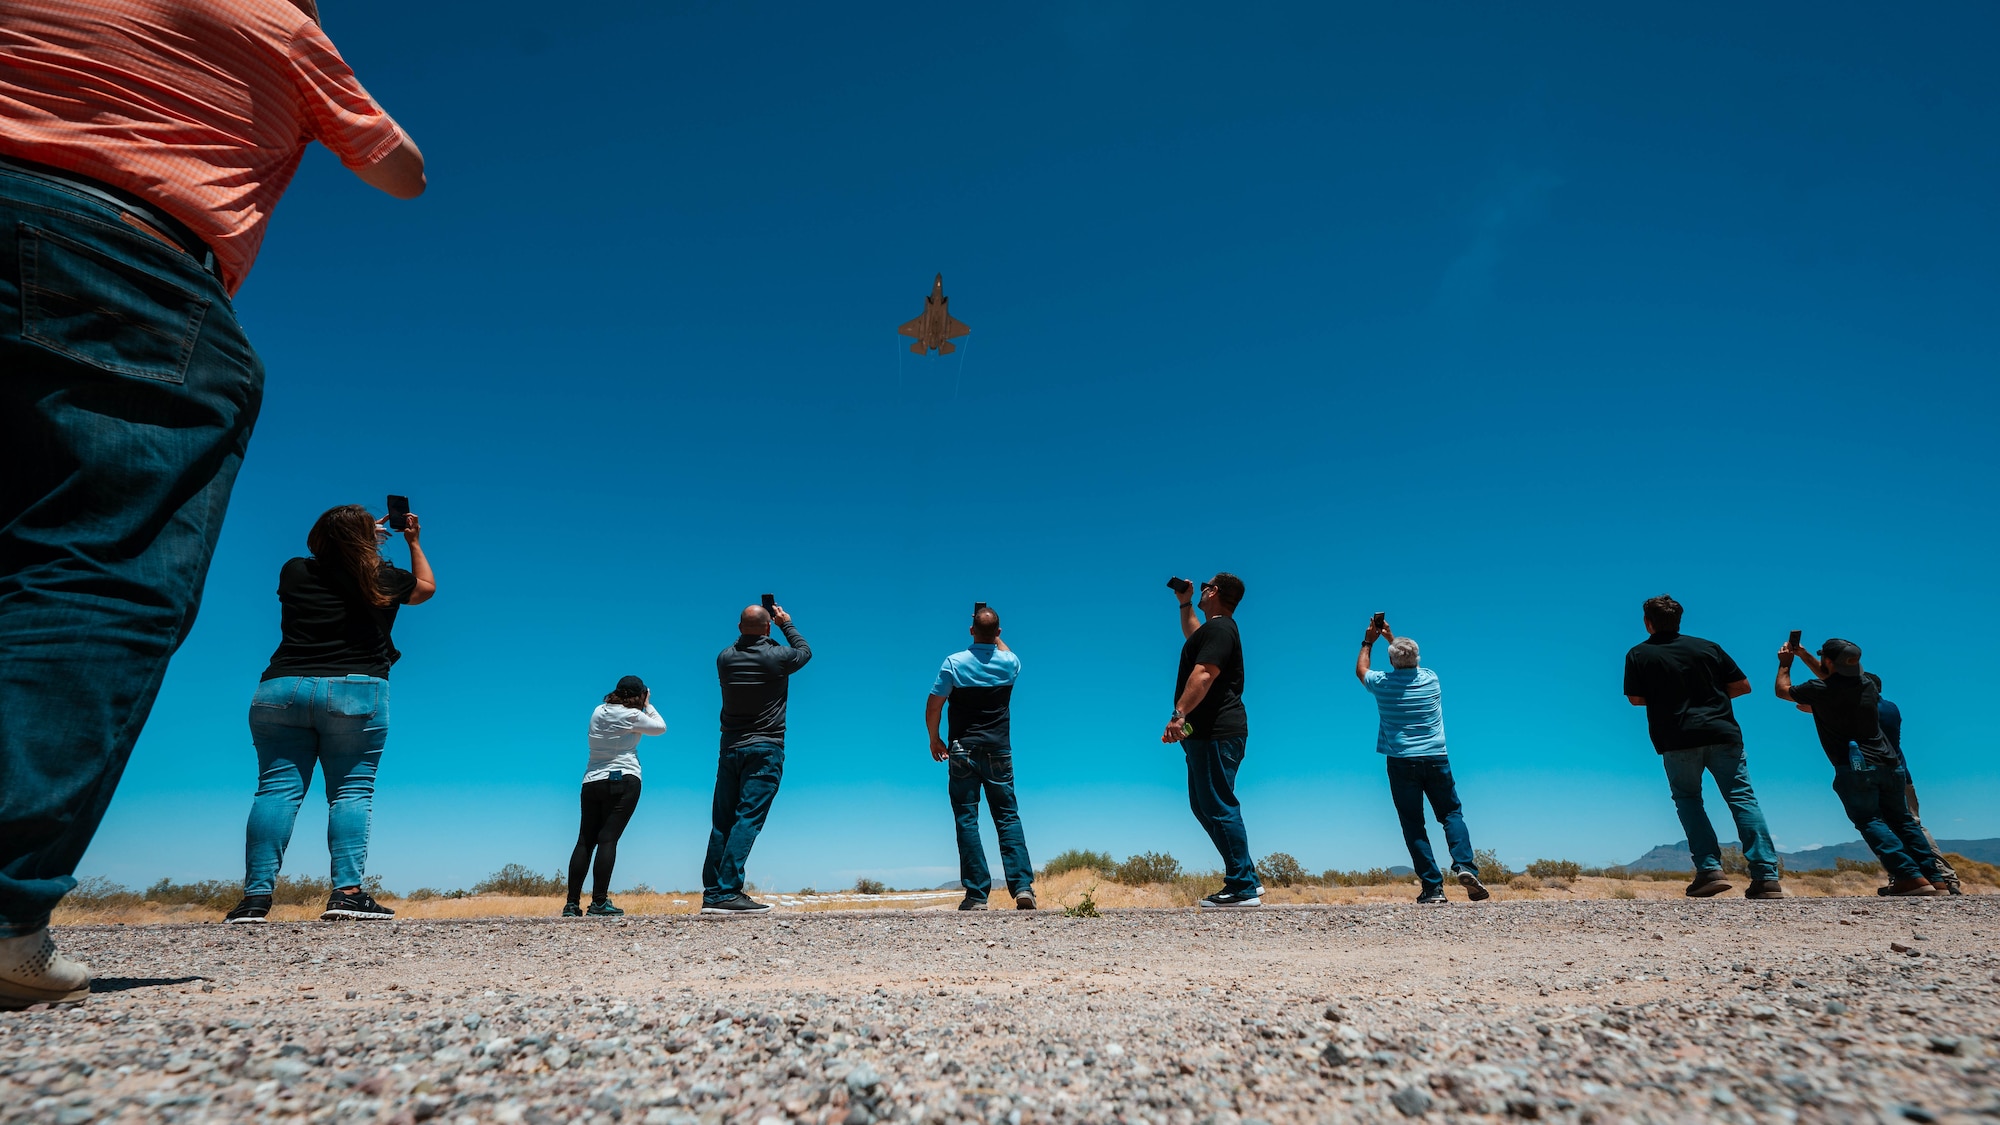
<point>1555,869</point>
<point>1972,871</point>
<point>99,893</point>
<point>215,894</point>
<point>867,886</point>
<point>1624,892</point>
<point>638,889</point>
<point>1076,859</point>
<point>1146,867</point>
<point>1491,870</point>
<point>1373,877</point>
<point>1733,862</point>
<point>1189,889</point>
<point>1280,869</point>
<point>515,879</point>
<point>1085,907</point>
<point>807,892</point>
<point>1863,866</point>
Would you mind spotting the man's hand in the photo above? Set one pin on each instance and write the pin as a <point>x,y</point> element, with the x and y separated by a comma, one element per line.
<point>779,617</point>
<point>939,751</point>
<point>1368,637</point>
<point>1176,730</point>
<point>1785,654</point>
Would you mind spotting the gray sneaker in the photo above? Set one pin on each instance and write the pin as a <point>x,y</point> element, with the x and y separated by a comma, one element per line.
<point>32,972</point>
<point>1026,901</point>
<point>1474,889</point>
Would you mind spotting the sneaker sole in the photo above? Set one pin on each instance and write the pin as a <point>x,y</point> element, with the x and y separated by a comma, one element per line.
<point>357,915</point>
<point>1708,890</point>
<point>1474,889</point>
<point>731,910</point>
<point>13,995</point>
<point>1244,905</point>
<point>245,921</point>
<point>1026,902</point>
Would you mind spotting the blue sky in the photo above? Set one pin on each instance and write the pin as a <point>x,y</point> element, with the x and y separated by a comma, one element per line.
<point>1497,320</point>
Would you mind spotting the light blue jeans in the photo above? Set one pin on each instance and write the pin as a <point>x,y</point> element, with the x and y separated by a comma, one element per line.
<point>1732,777</point>
<point>340,722</point>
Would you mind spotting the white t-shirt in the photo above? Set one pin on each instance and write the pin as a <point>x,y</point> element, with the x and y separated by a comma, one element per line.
<point>614,739</point>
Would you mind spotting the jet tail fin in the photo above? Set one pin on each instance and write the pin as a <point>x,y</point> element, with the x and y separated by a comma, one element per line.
<point>918,347</point>
<point>946,348</point>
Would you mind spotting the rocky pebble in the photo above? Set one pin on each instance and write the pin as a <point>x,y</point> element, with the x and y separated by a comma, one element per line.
<point>1710,1010</point>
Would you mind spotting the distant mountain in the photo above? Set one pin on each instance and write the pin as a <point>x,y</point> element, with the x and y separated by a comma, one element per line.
<point>1677,857</point>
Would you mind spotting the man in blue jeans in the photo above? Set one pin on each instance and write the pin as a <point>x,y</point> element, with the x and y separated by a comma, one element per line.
<point>755,673</point>
<point>1868,773</point>
<point>135,187</point>
<point>1685,684</point>
<point>978,683</point>
<point>1212,728</point>
<point>1411,736</point>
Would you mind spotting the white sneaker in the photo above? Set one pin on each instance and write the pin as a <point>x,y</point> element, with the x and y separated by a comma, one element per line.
<point>32,972</point>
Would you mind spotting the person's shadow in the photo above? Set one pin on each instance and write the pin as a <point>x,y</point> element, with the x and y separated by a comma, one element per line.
<point>126,984</point>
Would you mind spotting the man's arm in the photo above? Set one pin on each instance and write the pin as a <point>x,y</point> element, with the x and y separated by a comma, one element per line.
<point>800,652</point>
<point>1198,682</point>
<point>401,173</point>
<point>1189,622</point>
<point>1636,700</point>
<point>933,711</point>
<point>1367,651</point>
<point>1739,688</point>
<point>1783,687</point>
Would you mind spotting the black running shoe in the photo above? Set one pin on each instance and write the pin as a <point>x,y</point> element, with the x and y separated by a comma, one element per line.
<point>572,910</point>
<point>251,911</point>
<point>602,908</point>
<point>1225,900</point>
<point>736,904</point>
<point>1432,896</point>
<point>1474,889</point>
<point>360,905</point>
<point>970,903</point>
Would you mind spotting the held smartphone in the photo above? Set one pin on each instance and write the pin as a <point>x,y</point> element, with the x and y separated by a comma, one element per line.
<point>977,606</point>
<point>399,513</point>
<point>1180,585</point>
<point>770,601</point>
<point>1793,644</point>
<point>1380,620</point>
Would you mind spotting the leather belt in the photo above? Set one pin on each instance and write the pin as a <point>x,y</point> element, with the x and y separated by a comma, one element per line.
<point>141,216</point>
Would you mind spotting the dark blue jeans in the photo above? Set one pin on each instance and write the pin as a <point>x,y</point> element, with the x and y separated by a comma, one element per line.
<point>1411,780</point>
<point>974,769</point>
<point>1874,798</point>
<point>127,395</point>
<point>746,781</point>
<point>1211,766</point>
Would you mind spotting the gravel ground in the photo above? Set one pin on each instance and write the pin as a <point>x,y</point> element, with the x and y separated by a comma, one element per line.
<point>1823,1009</point>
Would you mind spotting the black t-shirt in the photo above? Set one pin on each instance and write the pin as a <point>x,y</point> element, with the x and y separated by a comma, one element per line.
<point>329,629</point>
<point>1220,713</point>
<point>1683,681</point>
<point>1847,709</point>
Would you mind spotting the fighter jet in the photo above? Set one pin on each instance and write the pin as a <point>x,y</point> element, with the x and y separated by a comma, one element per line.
<point>936,328</point>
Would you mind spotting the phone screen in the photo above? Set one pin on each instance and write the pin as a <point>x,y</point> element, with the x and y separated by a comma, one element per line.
<point>1796,633</point>
<point>399,513</point>
<point>1380,619</point>
<point>977,606</point>
<point>770,600</point>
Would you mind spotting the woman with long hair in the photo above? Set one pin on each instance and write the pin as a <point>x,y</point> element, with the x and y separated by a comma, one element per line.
<point>325,699</point>
<point>610,791</point>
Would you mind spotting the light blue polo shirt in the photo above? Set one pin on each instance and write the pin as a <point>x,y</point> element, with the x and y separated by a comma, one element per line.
<point>1412,709</point>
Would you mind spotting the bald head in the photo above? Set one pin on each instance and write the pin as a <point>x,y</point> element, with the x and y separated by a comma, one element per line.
<point>755,622</point>
<point>986,626</point>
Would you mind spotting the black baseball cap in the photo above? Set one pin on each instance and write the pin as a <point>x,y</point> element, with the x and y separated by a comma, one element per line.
<point>1843,658</point>
<point>630,685</point>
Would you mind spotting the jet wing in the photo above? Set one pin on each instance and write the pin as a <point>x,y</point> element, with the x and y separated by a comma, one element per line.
<point>913,328</point>
<point>954,327</point>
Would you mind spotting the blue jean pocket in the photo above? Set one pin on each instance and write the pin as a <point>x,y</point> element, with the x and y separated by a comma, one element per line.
<point>357,697</point>
<point>277,693</point>
<point>89,306</point>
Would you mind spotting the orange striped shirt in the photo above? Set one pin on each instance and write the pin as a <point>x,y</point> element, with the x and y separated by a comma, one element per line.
<point>201,107</point>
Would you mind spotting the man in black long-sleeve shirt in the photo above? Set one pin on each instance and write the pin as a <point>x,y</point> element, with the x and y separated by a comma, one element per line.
<point>755,673</point>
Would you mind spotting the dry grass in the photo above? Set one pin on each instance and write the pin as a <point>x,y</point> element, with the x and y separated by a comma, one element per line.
<point>1055,893</point>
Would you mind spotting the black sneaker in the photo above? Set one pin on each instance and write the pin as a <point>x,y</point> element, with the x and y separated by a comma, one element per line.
<point>736,904</point>
<point>1474,889</point>
<point>602,908</point>
<point>970,903</point>
<point>1026,901</point>
<point>572,910</point>
<point>1432,896</point>
<point>252,911</point>
<point>359,905</point>
<point>1224,900</point>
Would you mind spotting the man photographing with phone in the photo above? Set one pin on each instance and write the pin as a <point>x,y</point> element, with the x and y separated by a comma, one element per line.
<point>755,674</point>
<point>1212,728</point>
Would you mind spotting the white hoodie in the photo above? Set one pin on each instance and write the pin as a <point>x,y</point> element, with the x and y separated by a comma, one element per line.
<point>614,739</point>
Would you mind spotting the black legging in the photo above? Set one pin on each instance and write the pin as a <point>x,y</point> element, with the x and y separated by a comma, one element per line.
<point>607,808</point>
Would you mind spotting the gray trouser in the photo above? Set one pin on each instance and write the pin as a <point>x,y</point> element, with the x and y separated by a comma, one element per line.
<point>1944,871</point>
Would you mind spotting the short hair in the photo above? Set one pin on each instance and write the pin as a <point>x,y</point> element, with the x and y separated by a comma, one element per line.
<point>755,619</point>
<point>1402,653</point>
<point>1228,587</point>
<point>1664,612</point>
<point>986,625</point>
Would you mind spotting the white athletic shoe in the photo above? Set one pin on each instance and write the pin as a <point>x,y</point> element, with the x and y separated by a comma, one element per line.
<point>32,972</point>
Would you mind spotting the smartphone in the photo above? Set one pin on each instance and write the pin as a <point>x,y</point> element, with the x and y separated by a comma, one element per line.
<point>770,601</point>
<point>977,606</point>
<point>1380,620</point>
<point>1794,644</point>
<point>1180,585</point>
<point>399,513</point>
